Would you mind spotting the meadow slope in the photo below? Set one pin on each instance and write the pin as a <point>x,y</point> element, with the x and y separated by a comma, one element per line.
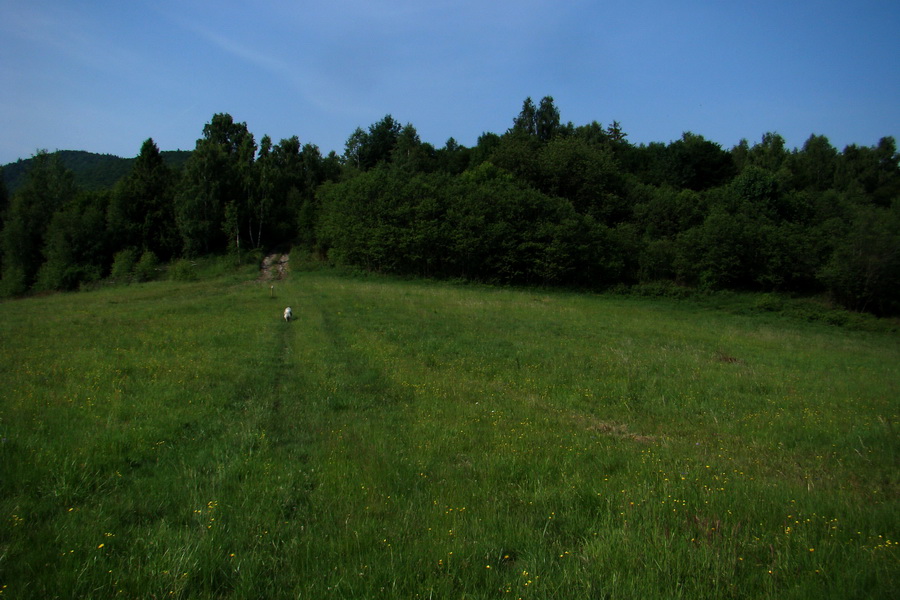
<point>418,439</point>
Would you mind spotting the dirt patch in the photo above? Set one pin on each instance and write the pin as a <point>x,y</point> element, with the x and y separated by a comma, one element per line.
<point>612,429</point>
<point>274,267</point>
<point>724,357</point>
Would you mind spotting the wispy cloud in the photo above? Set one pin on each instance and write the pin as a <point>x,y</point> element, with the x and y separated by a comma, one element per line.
<point>257,58</point>
<point>302,75</point>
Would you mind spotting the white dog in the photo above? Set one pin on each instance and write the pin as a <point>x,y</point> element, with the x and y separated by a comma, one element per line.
<point>288,315</point>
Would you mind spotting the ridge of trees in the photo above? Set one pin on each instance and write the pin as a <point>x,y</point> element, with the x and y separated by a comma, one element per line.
<point>92,171</point>
<point>545,202</point>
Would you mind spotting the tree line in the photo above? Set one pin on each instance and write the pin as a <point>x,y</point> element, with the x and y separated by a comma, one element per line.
<point>92,171</point>
<point>543,203</point>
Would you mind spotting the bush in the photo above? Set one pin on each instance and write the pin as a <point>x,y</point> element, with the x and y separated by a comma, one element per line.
<point>770,303</point>
<point>146,268</point>
<point>14,281</point>
<point>123,265</point>
<point>183,270</point>
<point>659,289</point>
<point>59,275</point>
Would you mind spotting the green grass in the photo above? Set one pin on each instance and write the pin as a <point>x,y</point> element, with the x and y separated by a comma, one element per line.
<point>416,439</point>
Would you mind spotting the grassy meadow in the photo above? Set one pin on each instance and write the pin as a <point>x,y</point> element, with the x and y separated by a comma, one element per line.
<point>407,439</point>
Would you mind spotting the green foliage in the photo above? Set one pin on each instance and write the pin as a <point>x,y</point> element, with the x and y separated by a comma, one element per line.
<point>814,166</point>
<point>657,261</point>
<point>769,154</point>
<point>141,211</point>
<point>410,154</point>
<point>484,150</point>
<point>526,122</point>
<point>91,171</point>
<point>365,150</point>
<point>544,203</point>
<point>664,212</point>
<point>453,158</point>
<point>123,265</point>
<point>691,162</point>
<point>546,121</point>
<point>4,199</point>
<point>580,206</point>
<point>15,280</point>
<point>540,122</point>
<point>697,164</point>
<point>216,173</point>
<point>518,153</point>
<point>147,267</point>
<point>481,225</point>
<point>49,186</point>
<point>863,273</point>
<point>586,175</point>
<point>872,172</point>
<point>75,249</point>
<point>183,270</point>
<point>285,207</point>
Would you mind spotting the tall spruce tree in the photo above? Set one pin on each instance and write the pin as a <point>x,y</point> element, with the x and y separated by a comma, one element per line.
<point>142,212</point>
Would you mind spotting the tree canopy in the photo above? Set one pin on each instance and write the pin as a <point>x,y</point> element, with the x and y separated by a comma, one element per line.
<point>545,202</point>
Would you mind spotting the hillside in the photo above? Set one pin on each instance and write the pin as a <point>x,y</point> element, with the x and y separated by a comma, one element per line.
<point>92,171</point>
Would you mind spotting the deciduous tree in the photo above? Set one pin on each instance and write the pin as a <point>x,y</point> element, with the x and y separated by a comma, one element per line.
<point>75,249</point>
<point>214,175</point>
<point>48,187</point>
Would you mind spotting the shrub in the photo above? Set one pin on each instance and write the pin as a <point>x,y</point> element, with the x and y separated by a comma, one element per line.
<point>770,303</point>
<point>14,281</point>
<point>183,270</point>
<point>146,267</point>
<point>59,275</point>
<point>123,265</point>
<point>659,289</point>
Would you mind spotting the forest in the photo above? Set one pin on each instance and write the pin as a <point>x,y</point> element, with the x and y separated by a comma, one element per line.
<point>544,203</point>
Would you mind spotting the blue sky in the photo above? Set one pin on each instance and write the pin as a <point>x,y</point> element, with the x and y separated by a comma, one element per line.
<point>105,76</point>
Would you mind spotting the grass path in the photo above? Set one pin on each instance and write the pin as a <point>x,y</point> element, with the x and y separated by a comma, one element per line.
<point>410,439</point>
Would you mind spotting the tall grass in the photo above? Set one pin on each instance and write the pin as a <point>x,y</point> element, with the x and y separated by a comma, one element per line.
<point>409,439</point>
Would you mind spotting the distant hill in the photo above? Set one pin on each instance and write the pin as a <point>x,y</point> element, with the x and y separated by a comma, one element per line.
<point>92,171</point>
